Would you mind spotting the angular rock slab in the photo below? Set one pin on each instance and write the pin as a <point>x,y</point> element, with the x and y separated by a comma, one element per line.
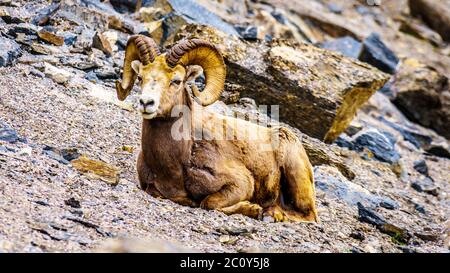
<point>318,91</point>
<point>423,95</point>
<point>435,13</point>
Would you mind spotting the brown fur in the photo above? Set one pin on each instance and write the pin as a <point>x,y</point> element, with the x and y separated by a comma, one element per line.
<point>233,176</point>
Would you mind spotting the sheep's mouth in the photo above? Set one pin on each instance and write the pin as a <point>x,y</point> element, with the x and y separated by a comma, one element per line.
<point>147,115</point>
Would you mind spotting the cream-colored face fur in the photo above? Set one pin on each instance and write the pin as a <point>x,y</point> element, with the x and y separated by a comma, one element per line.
<point>161,87</point>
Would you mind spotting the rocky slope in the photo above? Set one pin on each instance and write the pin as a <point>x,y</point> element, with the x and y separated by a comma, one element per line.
<point>68,147</point>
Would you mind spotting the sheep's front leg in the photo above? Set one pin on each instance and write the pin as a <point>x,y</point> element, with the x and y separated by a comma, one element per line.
<point>245,208</point>
<point>145,177</point>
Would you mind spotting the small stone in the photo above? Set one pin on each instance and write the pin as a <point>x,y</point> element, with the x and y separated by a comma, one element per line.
<point>42,203</point>
<point>335,8</point>
<point>224,238</point>
<point>9,51</point>
<point>70,154</point>
<point>97,169</point>
<point>248,32</point>
<point>106,73</point>
<point>27,151</point>
<point>421,167</point>
<point>430,237</point>
<point>46,49</point>
<point>56,157</point>
<point>69,38</point>
<point>44,14</point>
<point>7,134</point>
<point>24,28</point>
<point>92,77</point>
<point>128,148</point>
<point>420,208</point>
<point>376,53</point>
<point>334,184</point>
<point>101,42</point>
<point>59,75</point>
<point>72,202</point>
<point>438,150</point>
<point>388,204</point>
<point>11,16</point>
<point>425,185</point>
<point>358,235</point>
<point>49,35</point>
<point>381,144</point>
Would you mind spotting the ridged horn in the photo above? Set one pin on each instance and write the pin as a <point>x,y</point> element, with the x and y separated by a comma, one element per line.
<point>139,47</point>
<point>206,55</point>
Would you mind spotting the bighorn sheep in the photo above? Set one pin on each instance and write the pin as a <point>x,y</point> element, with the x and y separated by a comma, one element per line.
<point>229,175</point>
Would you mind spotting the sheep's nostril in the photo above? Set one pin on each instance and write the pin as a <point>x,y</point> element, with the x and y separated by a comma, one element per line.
<point>146,102</point>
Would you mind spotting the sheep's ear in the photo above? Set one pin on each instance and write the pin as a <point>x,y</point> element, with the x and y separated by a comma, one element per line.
<point>193,72</point>
<point>136,65</point>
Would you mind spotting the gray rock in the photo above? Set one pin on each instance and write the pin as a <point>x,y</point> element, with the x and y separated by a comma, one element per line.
<point>381,144</point>
<point>423,95</point>
<point>418,139</point>
<point>197,13</point>
<point>425,185</point>
<point>333,184</point>
<point>248,32</point>
<point>376,53</point>
<point>11,16</point>
<point>335,8</point>
<point>92,77</point>
<point>106,73</point>
<point>63,155</point>
<point>72,202</point>
<point>347,46</point>
<point>434,13</point>
<point>44,14</point>
<point>421,167</point>
<point>398,234</point>
<point>438,150</point>
<point>56,157</point>
<point>69,38</point>
<point>358,235</point>
<point>25,28</point>
<point>9,51</point>
<point>419,208</point>
<point>58,75</point>
<point>8,134</point>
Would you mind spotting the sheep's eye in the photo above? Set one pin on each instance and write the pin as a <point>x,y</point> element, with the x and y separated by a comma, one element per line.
<point>139,78</point>
<point>175,82</point>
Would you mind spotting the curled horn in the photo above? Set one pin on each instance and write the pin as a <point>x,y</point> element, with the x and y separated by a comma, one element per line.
<point>139,47</point>
<point>206,55</point>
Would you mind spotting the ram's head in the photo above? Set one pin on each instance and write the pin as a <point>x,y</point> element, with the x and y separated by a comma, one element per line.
<point>163,77</point>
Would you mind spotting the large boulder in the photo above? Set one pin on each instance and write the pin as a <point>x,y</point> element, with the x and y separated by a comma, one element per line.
<point>435,13</point>
<point>318,91</point>
<point>423,95</point>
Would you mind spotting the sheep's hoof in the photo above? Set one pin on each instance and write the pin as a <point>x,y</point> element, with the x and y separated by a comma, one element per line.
<point>274,214</point>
